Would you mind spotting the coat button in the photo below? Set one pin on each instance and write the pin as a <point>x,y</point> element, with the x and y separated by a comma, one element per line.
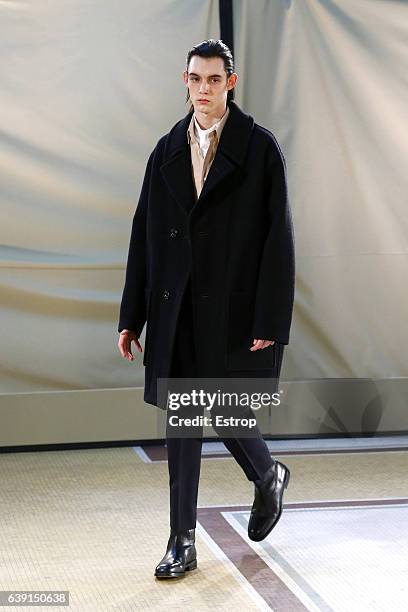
<point>166,294</point>
<point>173,232</point>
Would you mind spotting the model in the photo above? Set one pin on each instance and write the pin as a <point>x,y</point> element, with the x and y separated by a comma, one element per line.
<point>211,269</point>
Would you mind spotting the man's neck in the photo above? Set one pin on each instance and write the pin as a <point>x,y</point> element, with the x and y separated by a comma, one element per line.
<point>206,121</point>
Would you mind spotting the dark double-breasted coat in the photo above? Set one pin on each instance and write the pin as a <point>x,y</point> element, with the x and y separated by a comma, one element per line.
<point>235,244</point>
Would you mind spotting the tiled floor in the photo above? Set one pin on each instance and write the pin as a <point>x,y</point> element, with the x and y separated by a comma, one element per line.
<point>95,523</point>
<point>345,556</point>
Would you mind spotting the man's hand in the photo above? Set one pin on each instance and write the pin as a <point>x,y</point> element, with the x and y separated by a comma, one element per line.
<point>261,344</point>
<point>125,343</point>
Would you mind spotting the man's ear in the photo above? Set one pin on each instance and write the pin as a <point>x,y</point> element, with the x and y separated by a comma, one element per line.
<point>232,80</point>
<point>184,76</point>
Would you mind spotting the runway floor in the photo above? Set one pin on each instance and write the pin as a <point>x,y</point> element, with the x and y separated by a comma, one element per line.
<point>95,523</point>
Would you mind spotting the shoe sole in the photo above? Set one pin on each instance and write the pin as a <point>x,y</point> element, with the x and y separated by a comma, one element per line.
<point>287,476</point>
<point>285,486</point>
<point>191,566</point>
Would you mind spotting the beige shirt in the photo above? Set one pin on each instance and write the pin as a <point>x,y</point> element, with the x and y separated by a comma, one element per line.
<point>203,146</point>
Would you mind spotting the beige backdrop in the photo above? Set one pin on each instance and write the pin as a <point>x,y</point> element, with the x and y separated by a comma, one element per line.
<point>329,77</point>
<point>86,91</point>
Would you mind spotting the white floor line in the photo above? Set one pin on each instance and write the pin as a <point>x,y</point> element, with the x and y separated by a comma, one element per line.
<point>345,503</point>
<point>142,454</point>
<point>275,567</point>
<point>219,554</point>
<point>228,505</point>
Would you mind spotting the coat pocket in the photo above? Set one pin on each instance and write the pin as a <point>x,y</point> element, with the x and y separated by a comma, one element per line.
<point>148,300</point>
<point>240,319</point>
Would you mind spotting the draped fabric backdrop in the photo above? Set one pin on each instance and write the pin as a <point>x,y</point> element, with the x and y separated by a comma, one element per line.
<point>329,78</point>
<point>88,87</point>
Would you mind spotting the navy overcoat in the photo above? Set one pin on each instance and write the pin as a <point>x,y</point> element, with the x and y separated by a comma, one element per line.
<point>235,243</point>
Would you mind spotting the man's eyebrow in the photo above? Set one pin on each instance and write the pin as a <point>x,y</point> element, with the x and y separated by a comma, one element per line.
<point>210,76</point>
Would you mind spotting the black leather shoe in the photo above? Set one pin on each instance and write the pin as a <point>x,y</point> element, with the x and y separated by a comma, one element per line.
<point>180,557</point>
<point>267,506</point>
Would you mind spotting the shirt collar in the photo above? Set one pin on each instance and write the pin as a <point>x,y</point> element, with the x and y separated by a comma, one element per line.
<point>217,127</point>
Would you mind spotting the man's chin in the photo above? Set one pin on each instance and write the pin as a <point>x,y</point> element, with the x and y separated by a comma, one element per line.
<point>202,106</point>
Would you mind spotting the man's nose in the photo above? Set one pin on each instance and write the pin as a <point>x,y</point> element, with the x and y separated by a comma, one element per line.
<point>203,87</point>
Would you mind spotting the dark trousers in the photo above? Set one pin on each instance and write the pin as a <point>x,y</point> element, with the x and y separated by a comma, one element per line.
<point>184,454</point>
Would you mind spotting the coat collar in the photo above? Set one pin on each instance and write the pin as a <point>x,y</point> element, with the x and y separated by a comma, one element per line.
<point>229,157</point>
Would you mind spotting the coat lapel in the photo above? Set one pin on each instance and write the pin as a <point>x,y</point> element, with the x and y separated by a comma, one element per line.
<point>230,155</point>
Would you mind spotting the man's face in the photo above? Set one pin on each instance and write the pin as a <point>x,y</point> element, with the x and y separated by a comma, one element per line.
<point>207,84</point>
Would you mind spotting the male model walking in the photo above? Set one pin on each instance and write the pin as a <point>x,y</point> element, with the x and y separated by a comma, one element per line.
<point>211,269</point>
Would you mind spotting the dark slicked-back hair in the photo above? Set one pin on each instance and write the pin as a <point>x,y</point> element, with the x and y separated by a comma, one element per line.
<point>213,48</point>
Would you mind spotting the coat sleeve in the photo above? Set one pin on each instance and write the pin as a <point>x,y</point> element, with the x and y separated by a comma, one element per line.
<point>276,278</point>
<point>133,306</point>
